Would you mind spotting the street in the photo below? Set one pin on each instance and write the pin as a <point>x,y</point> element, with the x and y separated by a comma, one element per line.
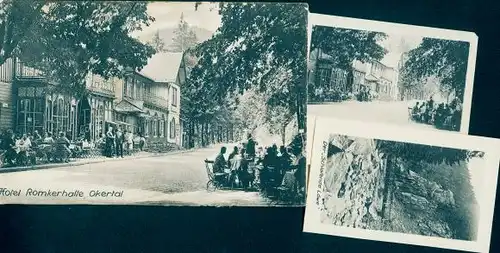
<point>175,179</point>
<point>394,112</point>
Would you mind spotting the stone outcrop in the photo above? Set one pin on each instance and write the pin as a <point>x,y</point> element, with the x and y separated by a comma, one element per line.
<point>355,191</point>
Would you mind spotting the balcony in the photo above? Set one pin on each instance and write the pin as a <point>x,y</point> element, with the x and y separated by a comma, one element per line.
<point>154,100</point>
<point>101,86</point>
<point>25,72</point>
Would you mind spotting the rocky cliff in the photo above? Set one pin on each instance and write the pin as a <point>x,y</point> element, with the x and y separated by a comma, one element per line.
<point>365,188</point>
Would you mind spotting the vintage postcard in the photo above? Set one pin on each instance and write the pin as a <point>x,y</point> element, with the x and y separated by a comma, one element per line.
<point>398,74</point>
<point>177,103</point>
<point>377,182</point>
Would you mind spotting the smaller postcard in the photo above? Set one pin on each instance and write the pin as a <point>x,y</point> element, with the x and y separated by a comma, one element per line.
<point>413,76</point>
<point>377,182</point>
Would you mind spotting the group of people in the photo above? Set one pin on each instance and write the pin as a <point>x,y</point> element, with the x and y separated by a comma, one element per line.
<point>18,148</point>
<point>365,94</point>
<point>117,142</point>
<point>274,164</point>
<point>442,115</point>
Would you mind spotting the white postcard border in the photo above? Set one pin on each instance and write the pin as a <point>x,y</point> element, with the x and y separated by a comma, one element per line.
<point>404,29</point>
<point>327,126</point>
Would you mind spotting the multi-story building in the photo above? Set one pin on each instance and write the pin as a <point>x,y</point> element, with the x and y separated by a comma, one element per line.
<point>30,104</point>
<point>374,74</point>
<point>95,111</point>
<point>146,102</point>
<point>323,73</point>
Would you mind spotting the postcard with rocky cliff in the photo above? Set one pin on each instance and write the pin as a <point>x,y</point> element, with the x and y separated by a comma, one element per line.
<point>376,182</point>
<point>412,76</point>
<point>156,103</point>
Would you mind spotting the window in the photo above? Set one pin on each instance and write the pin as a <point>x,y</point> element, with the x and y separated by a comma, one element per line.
<point>60,114</point>
<point>155,125</point>
<point>158,126</point>
<point>30,115</point>
<point>150,127</point>
<point>324,76</point>
<point>174,96</point>
<point>172,129</point>
<point>99,120</point>
<point>162,126</point>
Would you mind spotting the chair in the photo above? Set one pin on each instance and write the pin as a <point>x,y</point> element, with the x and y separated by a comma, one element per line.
<point>215,180</point>
<point>410,114</point>
<point>287,191</point>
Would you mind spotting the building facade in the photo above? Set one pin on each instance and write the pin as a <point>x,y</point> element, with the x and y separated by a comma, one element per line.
<point>145,102</point>
<point>373,74</point>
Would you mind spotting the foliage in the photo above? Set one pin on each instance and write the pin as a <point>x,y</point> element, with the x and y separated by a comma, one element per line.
<point>346,45</point>
<point>184,37</point>
<point>446,59</point>
<point>425,153</point>
<point>17,17</point>
<point>71,39</point>
<point>253,45</point>
<point>278,119</point>
<point>250,110</point>
<point>157,43</point>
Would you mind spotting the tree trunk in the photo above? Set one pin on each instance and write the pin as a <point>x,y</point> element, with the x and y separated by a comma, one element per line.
<point>388,186</point>
<point>203,135</point>
<point>283,135</point>
<point>191,134</point>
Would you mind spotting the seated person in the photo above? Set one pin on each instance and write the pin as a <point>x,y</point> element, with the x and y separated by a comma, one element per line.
<point>220,163</point>
<point>62,148</point>
<point>231,156</point>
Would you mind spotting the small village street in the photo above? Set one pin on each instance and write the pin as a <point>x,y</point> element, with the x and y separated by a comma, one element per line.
<point>164,180</point>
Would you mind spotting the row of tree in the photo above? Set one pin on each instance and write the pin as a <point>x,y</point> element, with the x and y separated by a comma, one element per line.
<point>251,71</point>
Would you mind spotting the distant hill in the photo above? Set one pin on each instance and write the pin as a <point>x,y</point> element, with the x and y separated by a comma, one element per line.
<point>167,34</point>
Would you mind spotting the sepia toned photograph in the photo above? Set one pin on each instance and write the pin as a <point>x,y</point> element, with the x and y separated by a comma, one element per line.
<point>433,190</point>
<point>153,103</point>
<point>390,73</point>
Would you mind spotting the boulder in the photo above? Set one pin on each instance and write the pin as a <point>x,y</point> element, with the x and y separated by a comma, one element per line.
<point>443,197</point>
<point>415,203</point>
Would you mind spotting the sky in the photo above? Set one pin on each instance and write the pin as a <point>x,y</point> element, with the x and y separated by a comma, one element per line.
<point>167,14</point>
<point>396,45</point>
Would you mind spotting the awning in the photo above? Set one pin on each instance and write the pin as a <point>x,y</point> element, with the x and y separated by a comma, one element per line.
<point>144,115</point>
<point>127,107</point>
<point>371,78</point>
<point>123,123</point>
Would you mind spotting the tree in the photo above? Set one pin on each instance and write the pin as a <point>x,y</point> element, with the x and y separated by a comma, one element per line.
<point>252,43</point>
<point>346,45</point>
<point>278,119</point>
<point>17,17</point>
<point>157,43</point>
<point>71,39</point>
<point>446,59</point>
<point>425,153</point>
<point>250,111</point>
<point>184,37</point>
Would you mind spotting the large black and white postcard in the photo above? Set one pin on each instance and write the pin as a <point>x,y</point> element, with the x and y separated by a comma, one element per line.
<point>377,182</point>
<point>392,73</point>
<point>155,103</point>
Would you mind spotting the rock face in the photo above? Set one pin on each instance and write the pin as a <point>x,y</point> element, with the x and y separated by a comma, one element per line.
<point>356,186</point>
